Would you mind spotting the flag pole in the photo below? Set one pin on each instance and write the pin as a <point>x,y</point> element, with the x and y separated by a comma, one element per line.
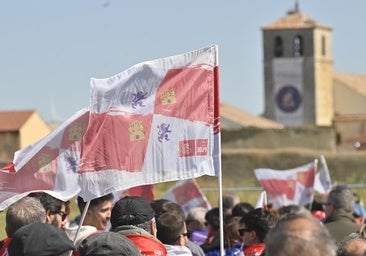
<point>316,165</point>
<point>80,223</point>
<point>221,210</point>
<point>315,171</point>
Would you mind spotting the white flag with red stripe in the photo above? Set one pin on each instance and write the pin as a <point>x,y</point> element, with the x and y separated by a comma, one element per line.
<point>187,194</point>
<point>48,165</point>
<point>154,122</point>
<point>294,186</point>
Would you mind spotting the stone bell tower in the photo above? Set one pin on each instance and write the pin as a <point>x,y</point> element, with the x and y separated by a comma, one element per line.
<point>298,71</point>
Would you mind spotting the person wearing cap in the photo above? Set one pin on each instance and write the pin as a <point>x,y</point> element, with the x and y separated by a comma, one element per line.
<point>172,232</point>
<point>40,239</point>
<point>107,244</point>
<point>133,217</point>
<point>338,209</point>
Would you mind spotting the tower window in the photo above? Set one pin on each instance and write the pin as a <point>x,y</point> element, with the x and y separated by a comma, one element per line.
<point>278,47</point>
<point>298,46</point>
<point>323,46</point>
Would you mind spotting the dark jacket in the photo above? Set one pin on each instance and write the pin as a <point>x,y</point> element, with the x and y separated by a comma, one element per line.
<point>341,224</point>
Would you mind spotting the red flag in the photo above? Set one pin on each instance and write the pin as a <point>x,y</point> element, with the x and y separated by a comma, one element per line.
<point>157,121</point>
<point>145,191</point>
<point>294,186</point>
<point>48,165</point>
<point>187,194</point>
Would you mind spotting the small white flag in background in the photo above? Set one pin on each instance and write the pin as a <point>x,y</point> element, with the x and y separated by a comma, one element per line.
<point>294,186</point>
<point>157,121</point>
<point>262,201</point>
<point>323,183</point>
<point>187,194</point>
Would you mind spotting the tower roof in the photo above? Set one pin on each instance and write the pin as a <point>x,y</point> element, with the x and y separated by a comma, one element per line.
<point>295,19</point>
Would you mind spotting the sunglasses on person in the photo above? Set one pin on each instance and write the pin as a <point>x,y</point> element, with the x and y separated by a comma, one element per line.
<point>62,214</point>
<point>242,230</point>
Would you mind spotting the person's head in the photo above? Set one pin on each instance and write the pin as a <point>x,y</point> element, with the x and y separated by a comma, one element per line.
<point>229,200</point>
<point>40,239</point>
<point>161,206</point>
<point>301,235</point>
<point>291,209</point>
<point>352,245</point>
<point>135,211</point>
<point>196,218</point>
<point>171,229</point>
<point>99,211</point>
<point>25,211</point>
<point>239,210</point>
<point>255,225</point>
<point>212,220</point>
<point>340,198</point>
<point>56,210</point>
<point>107,243</point>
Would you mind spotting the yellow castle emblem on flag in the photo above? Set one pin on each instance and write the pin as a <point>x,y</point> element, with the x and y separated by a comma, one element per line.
<point>136,131</point>
<point>44,163</point>
<point>75,132</point>
<point>168,97</point>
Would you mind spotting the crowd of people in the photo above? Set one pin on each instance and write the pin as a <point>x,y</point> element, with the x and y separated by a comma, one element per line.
<point>39,225</point>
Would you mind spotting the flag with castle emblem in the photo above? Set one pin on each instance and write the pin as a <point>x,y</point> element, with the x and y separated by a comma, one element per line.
<point>49,164</point>
<point>154,122</point>
<point>294,186</point>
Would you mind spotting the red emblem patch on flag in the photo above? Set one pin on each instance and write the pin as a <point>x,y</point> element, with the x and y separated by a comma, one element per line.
<point>186,148</point>
<point>197,147</point>
<point>201,147</point>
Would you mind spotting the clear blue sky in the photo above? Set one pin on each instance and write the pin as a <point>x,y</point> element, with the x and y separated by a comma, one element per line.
<point>49,50</point>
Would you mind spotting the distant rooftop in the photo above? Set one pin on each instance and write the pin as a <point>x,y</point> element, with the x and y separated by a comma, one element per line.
<point>13,120</point>
<point>294,19</point>
<point>355,82</point>
<point>234,118</point>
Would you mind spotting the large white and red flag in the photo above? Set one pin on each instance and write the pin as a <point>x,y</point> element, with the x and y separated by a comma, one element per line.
<point>285,187</point>
<point>48,165</point>
<point>154,122</point>
<point>323,183</point>
<point>187,194</point>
